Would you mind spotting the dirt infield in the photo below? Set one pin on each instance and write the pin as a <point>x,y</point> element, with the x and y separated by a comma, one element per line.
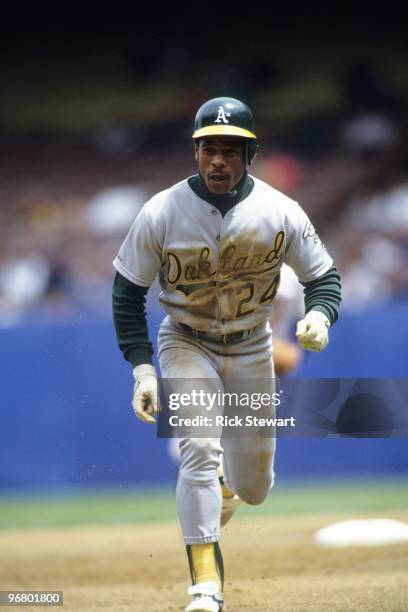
<point>272,564</point>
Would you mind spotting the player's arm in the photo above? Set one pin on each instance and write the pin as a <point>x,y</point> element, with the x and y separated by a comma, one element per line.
<point>314,267</point>
<point>129,316</point>
<point>324,294</point>
<point>137,265</point>
<point>322,301</point>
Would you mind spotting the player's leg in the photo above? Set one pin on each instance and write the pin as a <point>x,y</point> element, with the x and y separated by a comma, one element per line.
<point>198,492</point>
<point>248,461</point>
<point>248,467</point>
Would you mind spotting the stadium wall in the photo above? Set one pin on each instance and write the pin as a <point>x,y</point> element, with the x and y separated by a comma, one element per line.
<point>67,418</point>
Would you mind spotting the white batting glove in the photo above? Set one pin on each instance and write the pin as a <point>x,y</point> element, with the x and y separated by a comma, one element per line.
<point>312,332</point>
<point>145,402</point>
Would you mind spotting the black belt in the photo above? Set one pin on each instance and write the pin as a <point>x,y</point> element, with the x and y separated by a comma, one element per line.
<point>224,339</point>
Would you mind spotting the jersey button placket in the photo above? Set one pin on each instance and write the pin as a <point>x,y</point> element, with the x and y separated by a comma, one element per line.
<point>220,282</point>
<point>215,212</point>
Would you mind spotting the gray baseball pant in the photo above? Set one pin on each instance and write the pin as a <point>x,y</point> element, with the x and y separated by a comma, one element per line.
<point>247,461</point>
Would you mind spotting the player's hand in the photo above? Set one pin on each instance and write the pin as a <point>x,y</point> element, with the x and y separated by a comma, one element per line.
<point>312,332</point>
<point>145,401</point>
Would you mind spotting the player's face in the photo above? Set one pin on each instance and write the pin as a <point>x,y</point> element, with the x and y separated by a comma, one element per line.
<point>221,162</point>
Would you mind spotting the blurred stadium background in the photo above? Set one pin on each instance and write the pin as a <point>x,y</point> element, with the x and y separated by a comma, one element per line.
<point>96,116</point>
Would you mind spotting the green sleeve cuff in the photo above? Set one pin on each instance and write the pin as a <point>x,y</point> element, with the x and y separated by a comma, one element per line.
<point>139,356</point>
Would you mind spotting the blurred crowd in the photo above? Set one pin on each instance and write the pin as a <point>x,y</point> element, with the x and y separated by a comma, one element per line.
<point>64,211</point>
<point>56,249</point>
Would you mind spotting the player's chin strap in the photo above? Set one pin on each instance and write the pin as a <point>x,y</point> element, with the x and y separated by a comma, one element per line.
<point>218,562</point>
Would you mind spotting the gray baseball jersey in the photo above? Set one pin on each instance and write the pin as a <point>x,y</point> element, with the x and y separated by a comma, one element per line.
<point>220,274</point>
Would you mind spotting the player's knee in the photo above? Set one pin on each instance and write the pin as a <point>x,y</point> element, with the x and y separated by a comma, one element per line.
<point>256,492</point>
<point>254,477</point>
<point>253,498</point>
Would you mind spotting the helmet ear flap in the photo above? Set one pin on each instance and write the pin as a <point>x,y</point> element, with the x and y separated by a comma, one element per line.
<point>251,150</point>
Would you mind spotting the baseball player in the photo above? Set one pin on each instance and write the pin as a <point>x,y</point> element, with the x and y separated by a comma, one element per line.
<point>217,240</point>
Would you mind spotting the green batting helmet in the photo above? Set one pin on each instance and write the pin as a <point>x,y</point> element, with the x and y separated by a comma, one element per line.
<point>227,117</point>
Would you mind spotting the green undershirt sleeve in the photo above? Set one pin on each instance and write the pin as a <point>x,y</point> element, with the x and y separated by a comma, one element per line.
<point>324,295</point>
<point>129,316</point>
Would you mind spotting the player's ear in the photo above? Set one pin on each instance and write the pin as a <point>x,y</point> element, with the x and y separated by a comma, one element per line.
<point>196,145</point>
